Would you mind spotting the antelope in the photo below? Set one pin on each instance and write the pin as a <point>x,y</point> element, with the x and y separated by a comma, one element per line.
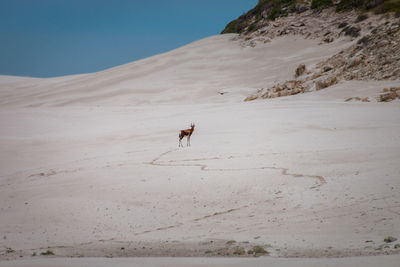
<point>188,133</point>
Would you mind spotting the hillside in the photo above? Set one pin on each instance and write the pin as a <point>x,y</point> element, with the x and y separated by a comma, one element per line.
<point>371,28</point>
<point>268,10</point>
<point>215,69</point>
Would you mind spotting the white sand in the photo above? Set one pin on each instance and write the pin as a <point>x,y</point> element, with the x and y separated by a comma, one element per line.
<point>91,161</point>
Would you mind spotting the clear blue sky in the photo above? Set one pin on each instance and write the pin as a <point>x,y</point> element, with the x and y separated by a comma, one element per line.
<point>45,38</point>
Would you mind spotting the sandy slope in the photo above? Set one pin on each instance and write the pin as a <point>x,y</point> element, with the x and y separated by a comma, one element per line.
<point>193,73</point>
<point>88,168</point>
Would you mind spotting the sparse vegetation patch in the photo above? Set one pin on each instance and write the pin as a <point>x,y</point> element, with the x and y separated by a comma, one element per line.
<point>239,251</point>
<point>320,3</point>
<point>263,11</point>
<point>259,251</point>
<point>47,253</point>
<point>230,242</point>
<point>389,239</point>
<point>269,10</point>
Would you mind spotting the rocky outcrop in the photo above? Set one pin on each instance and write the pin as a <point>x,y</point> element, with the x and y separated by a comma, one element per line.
<point>300,70</point>
<point>365,99</point>
<point>375,56</point>
<point>292,87</point>
<point>389,94</point>
<point>306,81</point>
<point>267,11</point>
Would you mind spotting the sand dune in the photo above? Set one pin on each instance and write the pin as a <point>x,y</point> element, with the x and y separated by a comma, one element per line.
<point>90,164</point>
<point>191,74</point>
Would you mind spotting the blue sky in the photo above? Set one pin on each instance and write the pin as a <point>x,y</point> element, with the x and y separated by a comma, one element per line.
<point>46,38</point>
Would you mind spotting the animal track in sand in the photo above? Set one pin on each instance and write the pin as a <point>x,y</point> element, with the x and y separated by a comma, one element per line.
<point>178,163</point>
<point>218,213</point>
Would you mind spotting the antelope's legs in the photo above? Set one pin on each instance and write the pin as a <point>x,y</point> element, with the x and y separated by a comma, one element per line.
<point>180,143</point>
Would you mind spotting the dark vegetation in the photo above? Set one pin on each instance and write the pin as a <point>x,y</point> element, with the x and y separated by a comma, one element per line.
<point>265,9</point>
<point>321,3</point>
<point>377,6</point>
<point>48,252</point>
<point>269,10</point>
<point>361,17</point>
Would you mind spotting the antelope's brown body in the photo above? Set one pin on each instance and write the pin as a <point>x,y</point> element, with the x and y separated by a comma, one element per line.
<point>188,133</point>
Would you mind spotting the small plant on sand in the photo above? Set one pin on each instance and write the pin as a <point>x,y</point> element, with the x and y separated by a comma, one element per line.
<point>223,252</point>
<point>239,251</point>
<point>259,251</point>
<point>397,246</point>
<point>390,239</point>
<point>252,27</point>
<point>230,242</point>
<point>34,254</point>
<point>208,252</point>
<point>46,253</point>
<point>10,250</point>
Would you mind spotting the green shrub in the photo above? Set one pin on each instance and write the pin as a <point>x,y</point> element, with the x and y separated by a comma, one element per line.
<point>274,13</point>
<point>378,6</point>
<point>48,252</point>
<point>273,9</point>
<point>320,3</point>
<point>347,5</point>
<point>231,27</point>
<point>388,6</point>
<point>389,239</point>
<point>259,251</point>
<point>252,27</point>
<point>239,251</point>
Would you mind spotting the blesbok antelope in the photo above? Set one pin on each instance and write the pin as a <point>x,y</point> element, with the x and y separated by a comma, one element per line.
<point>187,133</point>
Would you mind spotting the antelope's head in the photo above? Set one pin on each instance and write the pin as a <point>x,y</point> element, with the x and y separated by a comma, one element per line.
<point>192,125</point>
